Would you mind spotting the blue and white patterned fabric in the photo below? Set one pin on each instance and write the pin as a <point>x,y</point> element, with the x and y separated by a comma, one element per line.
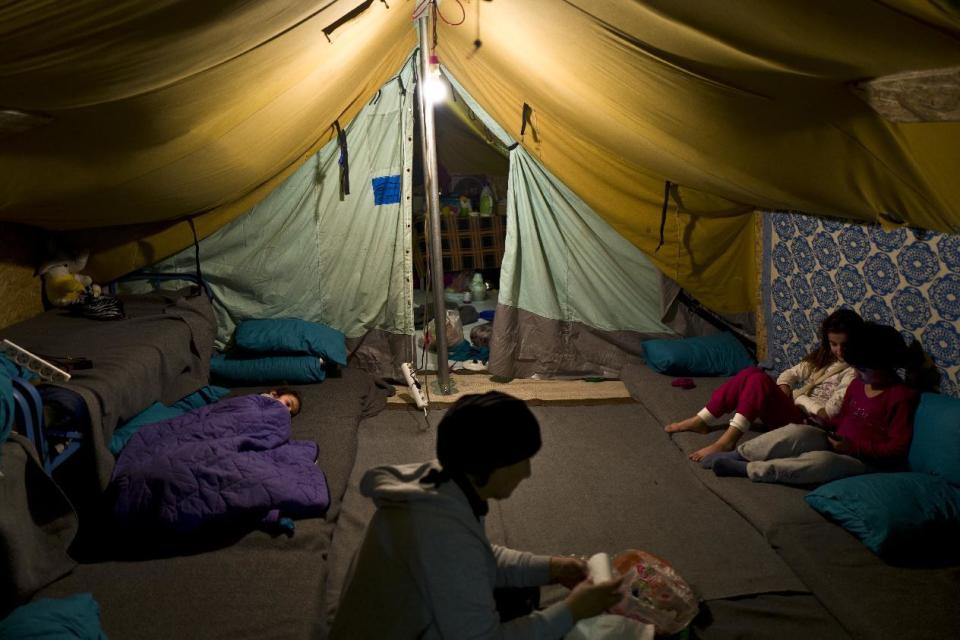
<point>907,278</point>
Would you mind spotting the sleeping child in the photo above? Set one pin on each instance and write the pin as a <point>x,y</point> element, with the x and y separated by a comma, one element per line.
<point>226,466</point>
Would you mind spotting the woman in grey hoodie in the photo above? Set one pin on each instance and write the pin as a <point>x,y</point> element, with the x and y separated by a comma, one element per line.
<point>426,568</point>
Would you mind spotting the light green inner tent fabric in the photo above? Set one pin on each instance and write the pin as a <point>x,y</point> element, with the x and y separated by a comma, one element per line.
<point>309,253</point>
<point>562,261</point>
<point>304,252</point>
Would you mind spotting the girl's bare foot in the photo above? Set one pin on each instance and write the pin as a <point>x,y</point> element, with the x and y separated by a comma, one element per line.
<point>725,442</point>
<point>717,447</point>
<point>695,423</point>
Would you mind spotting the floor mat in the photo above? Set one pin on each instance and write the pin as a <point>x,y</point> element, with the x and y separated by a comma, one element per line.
<point>533,391</point>
<point>261,586</point>
<point>608,478</point>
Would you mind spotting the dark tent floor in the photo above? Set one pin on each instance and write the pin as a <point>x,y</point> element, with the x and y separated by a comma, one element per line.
<point>608,478</point>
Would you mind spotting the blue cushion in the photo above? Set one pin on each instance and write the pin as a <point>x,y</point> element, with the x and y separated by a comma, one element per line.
<point>936,437</point>
<point>76,616</point>
<point>717,355</point>
<point>201,398</point>
<point>292,335</point>
<point>157,412</point>
<point>268,370</point>
<point>896,515</point>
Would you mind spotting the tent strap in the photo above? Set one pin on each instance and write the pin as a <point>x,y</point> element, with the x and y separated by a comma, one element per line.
<point>196,256</point>
<point>694,305</point>
<point>663,213</point>
<point>344,160</point>
<point>525,120</point>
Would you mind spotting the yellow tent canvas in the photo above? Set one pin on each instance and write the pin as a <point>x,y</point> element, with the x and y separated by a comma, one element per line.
<point>126,120</point>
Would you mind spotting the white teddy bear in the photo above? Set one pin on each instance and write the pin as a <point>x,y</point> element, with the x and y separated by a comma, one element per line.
<point>64,284</point>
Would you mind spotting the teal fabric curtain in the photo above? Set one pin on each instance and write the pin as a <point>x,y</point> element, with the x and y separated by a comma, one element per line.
<point>562,261</point>
<point>304,252</point>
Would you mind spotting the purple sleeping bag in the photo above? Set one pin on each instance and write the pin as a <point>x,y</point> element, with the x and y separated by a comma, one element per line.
<point>225,465</point>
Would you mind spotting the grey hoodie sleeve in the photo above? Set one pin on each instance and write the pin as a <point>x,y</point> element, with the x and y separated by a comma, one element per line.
<point>458,587</point>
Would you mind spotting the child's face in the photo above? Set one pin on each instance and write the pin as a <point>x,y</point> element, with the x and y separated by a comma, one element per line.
<point>289,400</point>
<point>838,344</point>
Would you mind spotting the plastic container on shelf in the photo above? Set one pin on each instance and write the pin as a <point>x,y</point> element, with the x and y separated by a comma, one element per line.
<point>478,288</point>
<point>486,201</point>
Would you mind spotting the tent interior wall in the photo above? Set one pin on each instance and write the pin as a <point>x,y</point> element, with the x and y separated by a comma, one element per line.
<point>614,144</point>
<point>468,157</point>
<point>766,161</point>
<point>18,284</point>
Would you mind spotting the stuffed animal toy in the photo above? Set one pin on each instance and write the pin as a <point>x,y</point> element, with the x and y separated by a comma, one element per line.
<point>64,284</point>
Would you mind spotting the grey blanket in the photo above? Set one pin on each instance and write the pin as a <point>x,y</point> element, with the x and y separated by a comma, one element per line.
<point>609,479</point>
<point>160,351</point>
<point>665,402</point>
<point>261,586</point>
<point>37,524</point>
<point>866,596</point>
<point>872,599</point>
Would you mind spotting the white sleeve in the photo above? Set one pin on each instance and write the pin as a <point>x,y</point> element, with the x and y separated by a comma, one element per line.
<point>520,568</point>
<point>809,404</point>
<point>836,398</point>
<point>795,376</point>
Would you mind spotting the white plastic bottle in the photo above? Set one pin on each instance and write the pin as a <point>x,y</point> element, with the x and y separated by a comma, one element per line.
<point>478,287</point>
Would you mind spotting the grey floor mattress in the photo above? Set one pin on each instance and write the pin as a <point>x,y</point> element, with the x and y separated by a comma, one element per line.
<point>262,586</point>
<point>867,596</point>
<point>608,479</point>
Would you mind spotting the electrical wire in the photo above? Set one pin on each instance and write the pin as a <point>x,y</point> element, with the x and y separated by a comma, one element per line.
<point>431,5</point>
<point>427,290</point>
<point>463,14</point>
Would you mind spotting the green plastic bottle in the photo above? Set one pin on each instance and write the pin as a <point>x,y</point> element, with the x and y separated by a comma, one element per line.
<point>486,202</point>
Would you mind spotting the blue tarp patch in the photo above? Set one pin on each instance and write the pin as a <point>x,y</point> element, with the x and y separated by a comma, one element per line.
<point>386,190</point>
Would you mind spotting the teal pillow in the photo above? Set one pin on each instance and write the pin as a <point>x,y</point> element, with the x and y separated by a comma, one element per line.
<point>158,412</point>
<point>268,370</point>
<point>76,616</point>
<point>935,447</point>
<point>202,397</point>
<point>898,516</point>
<point>292,335</point>
<point>717,355</point>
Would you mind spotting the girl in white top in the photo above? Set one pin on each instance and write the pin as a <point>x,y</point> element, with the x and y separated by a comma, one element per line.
<point>815,387</point>
<point>817,391</point>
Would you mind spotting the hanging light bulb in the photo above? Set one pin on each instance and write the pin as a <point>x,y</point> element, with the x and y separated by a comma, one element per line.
<point>434,87</point>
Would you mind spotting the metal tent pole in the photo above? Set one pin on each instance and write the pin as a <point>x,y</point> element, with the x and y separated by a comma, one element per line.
<point>428,139</point>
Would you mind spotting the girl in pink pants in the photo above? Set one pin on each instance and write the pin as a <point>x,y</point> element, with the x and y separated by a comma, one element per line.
<point>814,386</point>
